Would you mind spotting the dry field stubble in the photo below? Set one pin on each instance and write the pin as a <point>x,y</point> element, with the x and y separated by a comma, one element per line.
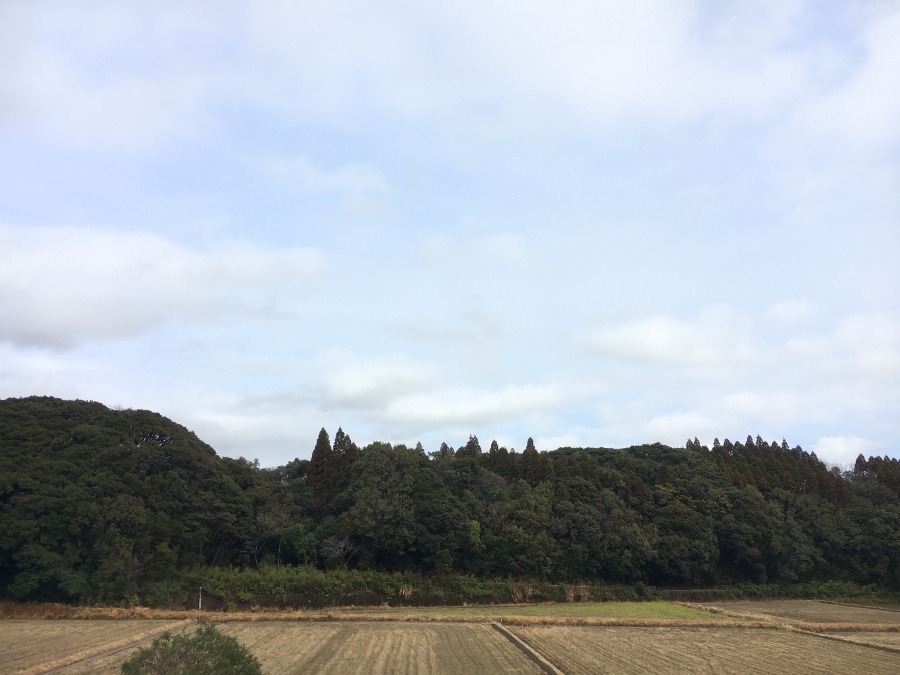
<point>648,637</point>
<point>579,649</point>
<point>38,646</point>
<point>880,638</point>
<point>380,647</point>
<point>812,612</point>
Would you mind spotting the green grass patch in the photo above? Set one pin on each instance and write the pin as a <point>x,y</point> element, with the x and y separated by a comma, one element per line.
<point>604,610</point>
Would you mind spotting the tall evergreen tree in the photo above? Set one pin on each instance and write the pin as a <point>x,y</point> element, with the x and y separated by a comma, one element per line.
<point>472,448</point>
<point>320,474</point>
<point>533,465</point>
<point>345,448</point>
<point>445,453</point>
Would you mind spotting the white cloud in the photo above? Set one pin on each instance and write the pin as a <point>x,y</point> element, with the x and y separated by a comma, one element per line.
<point>274,437</point>
<point>764,374</point>
<point>863,110</point>
<point>503,247</point>
<point>843,450</point>
<point>764,404</point>
<point>472,328</point>
<point>793,311</point>
<point>113,77</point>
<point>127,77</point>
<point>607,64</point>
<point>870,345</point>
<point>60,286</point>
<point>832,146</point>
<point>553,169</point>
<point>715,339</point>
<point>364,191</point>
<point>463,249</point>
<point>859,348</point>
<point>400,394</point>
<point>679,425</point>
<point>356,178</point>
<point>548,443</point>
<point>351,383</point>
<point>465,406</point>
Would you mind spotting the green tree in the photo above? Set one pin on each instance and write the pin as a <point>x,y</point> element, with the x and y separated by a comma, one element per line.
<point>345,450</point>
<point>401,513</point>
<point>472,448</point>
<point>534,466</point>
<point>321,475</point>
<point>206,652</point>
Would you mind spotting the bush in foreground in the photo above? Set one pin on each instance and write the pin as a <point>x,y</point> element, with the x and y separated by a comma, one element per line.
<point>206,652</point>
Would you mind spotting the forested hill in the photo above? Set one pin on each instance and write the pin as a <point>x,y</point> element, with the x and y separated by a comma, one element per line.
<point>100,503</point>
<point>111,505</point>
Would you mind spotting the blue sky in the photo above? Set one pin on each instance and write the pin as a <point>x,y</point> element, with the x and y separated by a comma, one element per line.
<point>590,223</point>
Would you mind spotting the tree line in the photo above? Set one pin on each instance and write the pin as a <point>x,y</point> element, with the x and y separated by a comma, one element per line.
<point>100,505</point>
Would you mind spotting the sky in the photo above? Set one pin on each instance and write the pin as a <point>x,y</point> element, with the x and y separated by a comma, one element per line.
<point>590,223</point>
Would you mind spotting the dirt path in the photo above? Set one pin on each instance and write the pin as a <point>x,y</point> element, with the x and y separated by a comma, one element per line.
<point>528,650</point>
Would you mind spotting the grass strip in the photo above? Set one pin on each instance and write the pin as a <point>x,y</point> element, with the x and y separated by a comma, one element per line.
<point>612,610</point>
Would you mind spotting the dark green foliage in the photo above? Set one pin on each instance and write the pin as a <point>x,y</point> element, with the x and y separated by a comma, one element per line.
<point>885,469</point>
<point>321,475</point>
<point>102,505</point>
<point>400,512</point>
<point>471,449</point>
<point>305,586</point>
<point>98,505</point>
<point>534,465</point>
<point>328,467</point>
<point>206,652</point>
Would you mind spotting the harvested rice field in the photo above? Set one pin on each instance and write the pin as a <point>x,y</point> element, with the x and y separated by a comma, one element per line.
<point>582,650</point>
<point>812,611</point>
<point>585,638</point>
<point>38,646</point>
<point>383,647</point>
<point>880,638</point>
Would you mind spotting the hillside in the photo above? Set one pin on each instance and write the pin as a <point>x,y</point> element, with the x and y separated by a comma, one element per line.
<point>105,504</point>
<point>100,505</point>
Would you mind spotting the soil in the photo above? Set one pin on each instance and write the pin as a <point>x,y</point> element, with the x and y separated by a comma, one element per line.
<point>589,650</point>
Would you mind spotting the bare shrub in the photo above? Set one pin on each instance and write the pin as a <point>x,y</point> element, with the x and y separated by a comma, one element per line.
<point>339,550</point>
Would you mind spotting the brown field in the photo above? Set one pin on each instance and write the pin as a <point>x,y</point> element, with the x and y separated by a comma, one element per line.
<point>810,611</point>
<point>41,646</point>
<point>579,649</point>
<point>618,637</point>
<point>78,647</point>
<point>362,647</point>
<point>883,639</point>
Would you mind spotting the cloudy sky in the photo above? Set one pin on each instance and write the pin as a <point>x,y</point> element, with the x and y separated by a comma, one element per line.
<point>593,223</point>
